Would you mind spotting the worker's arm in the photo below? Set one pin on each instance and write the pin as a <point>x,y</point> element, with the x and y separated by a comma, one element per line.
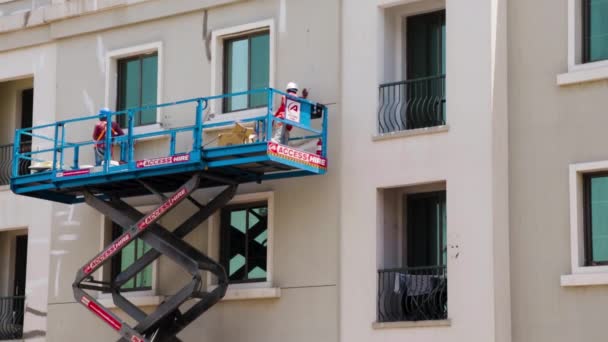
<point>117,128</point>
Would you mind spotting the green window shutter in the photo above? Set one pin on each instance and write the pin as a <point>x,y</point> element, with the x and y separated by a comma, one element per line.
<point>137,87</point>
<point>260,68</point>
<point>246,67</point>
<point>599,219</point>
<point>426,45</point>
<point>237,73</point>
<point>597,30</point>
<point>149,89</point>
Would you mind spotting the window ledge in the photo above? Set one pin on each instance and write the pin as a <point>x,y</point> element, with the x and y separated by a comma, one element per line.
<point>584,73</point>
<point>5,188</point>
<point>252,293</point>
<point>412,324</point>
<point>584,279</point>
<point>139,301</point>
<point>411,132</point>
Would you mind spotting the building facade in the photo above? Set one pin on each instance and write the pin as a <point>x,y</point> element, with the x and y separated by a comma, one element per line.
<point>465,194</point>
<point>80,56</point>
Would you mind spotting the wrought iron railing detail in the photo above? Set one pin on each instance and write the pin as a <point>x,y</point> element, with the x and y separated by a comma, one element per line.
<point>411,104</point>
<point>6,161</point>
<point>412,294</point>
<point>11,317</point>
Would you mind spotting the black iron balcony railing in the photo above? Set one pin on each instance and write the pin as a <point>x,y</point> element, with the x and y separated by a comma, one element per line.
<point>411,104</point>
<point>412,294</point>
<point>6,161</point>
<point>11,317</point>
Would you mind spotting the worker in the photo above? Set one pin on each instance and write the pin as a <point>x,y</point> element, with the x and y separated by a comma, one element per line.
<point>280,130</point>
<point>99,135</point>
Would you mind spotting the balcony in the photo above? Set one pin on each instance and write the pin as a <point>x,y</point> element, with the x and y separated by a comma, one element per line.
<point>11,317</point>
<point>412,294</point>
<point>411,104</point>
<point>6,160</point>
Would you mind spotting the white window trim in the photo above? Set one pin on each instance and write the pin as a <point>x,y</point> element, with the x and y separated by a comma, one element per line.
<point>246,291</point>
<point>579,72</point>
<point>112,58</point>
<point>139,298</point>
<point>581,275</point>
<point>217,66</point>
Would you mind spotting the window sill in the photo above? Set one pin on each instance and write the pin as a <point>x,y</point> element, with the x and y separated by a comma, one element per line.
<point>139,301</point>
<point>584,279</point>
<point>5,188</point>
<point>589,72</point>
<point>252,293</point>
<point>412,324</point>
<point>411,133</point>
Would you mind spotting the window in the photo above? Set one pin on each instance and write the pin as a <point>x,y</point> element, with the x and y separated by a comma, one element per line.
<point>595,30</point>
<point>246,67</point>
<point>588,225</point>
<point>412,282</point>
<point>426,229</point>
<point>125,258</point>
<point>137,87</point>
<point>244,242</point>
<point>596,219</point>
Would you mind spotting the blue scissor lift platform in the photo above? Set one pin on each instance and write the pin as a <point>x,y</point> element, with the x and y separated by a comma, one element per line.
<point>193,160</point>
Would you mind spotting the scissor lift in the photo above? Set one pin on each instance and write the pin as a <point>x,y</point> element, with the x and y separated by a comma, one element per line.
<point>178,174</point>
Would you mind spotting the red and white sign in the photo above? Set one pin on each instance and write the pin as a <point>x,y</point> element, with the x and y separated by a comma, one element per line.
<point>96,309</point>
<point>71,173</point>
<point>292,110</point>
<point>180,158</point>
<point>153,216</point>
<point>297,155</point>
<point>101,257</point>
<point>136,339</point>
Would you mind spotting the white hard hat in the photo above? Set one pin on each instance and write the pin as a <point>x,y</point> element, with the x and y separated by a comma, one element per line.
<point>292,85</point>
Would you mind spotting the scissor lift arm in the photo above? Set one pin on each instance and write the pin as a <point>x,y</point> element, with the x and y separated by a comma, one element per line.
<point>167,320</point>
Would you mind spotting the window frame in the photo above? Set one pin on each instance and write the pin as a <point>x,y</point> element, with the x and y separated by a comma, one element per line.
<point>579,71</point>
<point>588,229</point>
<point>120,78</point>
<point>224,238</point>
<point>111,72</point>
<point>213,245</point>
<point>218,38</point>
<point>586,32</point>
<point>249,37</point>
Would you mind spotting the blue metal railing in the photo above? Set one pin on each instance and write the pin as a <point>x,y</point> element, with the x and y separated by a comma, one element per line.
<point>11,317</point>
<point>54,143</point>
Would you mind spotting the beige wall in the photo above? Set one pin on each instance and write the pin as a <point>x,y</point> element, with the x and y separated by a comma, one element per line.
<point>468,157</point>
<point>550,127</point>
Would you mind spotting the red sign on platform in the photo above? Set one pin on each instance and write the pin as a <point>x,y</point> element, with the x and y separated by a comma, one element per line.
<point>162,161</point>
<point>289,153</point>
<point>71,173</point>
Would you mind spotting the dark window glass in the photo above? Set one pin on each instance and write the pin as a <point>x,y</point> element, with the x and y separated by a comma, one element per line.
<point>126,257</point>
<point>137,87</point>
<point>595,30</point>
<point>426,229</point>
<point>596,219</point>
<point>246,67</point>
<point>244,242</point>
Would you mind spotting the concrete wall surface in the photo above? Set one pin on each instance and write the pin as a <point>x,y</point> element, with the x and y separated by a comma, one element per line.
<point>550,127</point>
